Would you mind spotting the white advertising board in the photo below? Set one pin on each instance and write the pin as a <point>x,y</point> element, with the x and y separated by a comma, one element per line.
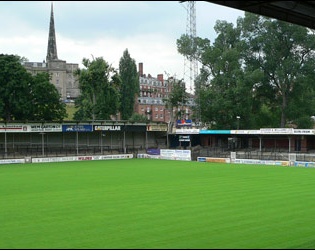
<point>169,154</point>
<point>82,158</point>
<point>12,161</point>
<point>175,154</point>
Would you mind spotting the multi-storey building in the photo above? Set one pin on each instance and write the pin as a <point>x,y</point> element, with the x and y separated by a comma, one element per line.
<point>152,96</point>
<point>62,73</point>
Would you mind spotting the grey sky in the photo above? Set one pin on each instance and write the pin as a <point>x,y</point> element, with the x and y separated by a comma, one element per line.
<point>148,29</point>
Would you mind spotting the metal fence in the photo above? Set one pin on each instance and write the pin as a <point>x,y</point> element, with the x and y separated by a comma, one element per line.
<point>274,154</point>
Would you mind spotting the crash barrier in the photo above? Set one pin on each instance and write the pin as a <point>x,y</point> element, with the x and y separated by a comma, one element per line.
<point>304,164</point>
<point>63,159</point>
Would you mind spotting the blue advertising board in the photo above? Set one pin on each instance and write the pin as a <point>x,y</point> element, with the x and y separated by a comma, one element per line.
<point>153,151</point>
<point>77,128</point>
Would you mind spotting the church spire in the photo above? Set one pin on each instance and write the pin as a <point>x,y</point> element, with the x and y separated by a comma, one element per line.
<point>52,47</point>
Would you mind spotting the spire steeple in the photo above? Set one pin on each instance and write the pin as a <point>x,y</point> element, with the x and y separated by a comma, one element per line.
<point>52,47</point>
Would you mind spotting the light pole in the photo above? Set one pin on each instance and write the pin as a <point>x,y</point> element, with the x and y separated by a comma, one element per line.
<point>77,137</point>
<point>102,135</point>
<point>238,122</point>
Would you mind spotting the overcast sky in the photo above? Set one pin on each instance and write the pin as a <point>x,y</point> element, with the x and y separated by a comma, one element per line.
<point>148,29</point>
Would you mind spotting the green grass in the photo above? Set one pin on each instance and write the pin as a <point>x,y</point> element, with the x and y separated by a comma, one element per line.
<point>156,204</point>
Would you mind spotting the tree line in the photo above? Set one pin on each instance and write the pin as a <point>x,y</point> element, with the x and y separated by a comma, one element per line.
<point>26,97</point>
<point>262,70</point>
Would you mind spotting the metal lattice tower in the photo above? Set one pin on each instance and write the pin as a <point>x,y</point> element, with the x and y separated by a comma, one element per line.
<point>190,64</point>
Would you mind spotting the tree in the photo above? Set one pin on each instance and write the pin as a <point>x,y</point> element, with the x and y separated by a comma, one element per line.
<point>27,97</point>
<point>284,52</point>
<point>14,84</point>
<point>100,87</point>
<point>47,107</point>
<point>140,118</point>
<point>129,85</point>
<point>177,99</point>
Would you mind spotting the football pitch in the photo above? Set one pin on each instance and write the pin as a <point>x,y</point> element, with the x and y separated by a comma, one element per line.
<point>156,204</point>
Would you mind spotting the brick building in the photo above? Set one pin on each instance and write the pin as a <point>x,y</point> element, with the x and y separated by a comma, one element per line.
<point>153,92</point>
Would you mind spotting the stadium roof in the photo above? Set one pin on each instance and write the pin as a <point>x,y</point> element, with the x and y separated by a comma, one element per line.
<point>296,12</point>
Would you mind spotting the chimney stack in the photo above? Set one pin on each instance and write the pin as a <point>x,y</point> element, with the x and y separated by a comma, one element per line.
<point>141,69</point>
<point>160,77</point>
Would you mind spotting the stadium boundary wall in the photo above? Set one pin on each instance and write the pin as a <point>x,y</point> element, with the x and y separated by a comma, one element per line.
<point>291,162</point>
<point>64,159</point>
